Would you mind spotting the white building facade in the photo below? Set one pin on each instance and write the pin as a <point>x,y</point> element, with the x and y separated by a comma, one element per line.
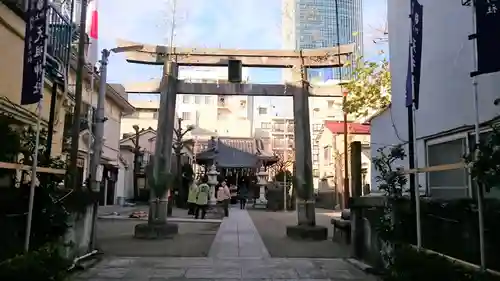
<point>223,115</point>
<point>446,116</point>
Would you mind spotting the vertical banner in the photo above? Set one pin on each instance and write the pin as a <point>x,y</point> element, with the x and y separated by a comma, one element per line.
<point>34,52</point>
<point>416,42</point>
<point>409,77</point>
<point>487,36</point>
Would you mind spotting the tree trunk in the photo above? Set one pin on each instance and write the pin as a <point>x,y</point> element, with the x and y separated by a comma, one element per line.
<point>181,199</point>
<point>136,173</point>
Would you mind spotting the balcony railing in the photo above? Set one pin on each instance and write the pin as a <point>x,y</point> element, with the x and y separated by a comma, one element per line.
<point>60,35</point>
<point>60,32</point>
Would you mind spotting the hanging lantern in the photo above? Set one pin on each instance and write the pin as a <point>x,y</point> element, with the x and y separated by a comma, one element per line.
<point>235,69</point>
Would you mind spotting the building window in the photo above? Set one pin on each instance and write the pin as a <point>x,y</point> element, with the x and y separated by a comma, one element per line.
<point>186,116</point>
<point>265,125</point>
<point>185,98</point>
<point>331,104</point>
<point>197,99</point>
<point>451,183</point>
<point>317,127</point>
<point>262,111</point>
<point>155,115</point>
<point>208,99</point>
<point>327,155</point>
<point>279,127</point>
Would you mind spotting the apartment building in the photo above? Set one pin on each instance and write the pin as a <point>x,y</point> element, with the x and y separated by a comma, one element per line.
<point>222,115</point>
<point>271,128</point>
<point>282,131</point>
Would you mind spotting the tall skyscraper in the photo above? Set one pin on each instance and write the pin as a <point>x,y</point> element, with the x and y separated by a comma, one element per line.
<point>311,24</point>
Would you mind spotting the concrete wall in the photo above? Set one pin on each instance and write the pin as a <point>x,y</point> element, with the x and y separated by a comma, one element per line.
<point>79,234</point>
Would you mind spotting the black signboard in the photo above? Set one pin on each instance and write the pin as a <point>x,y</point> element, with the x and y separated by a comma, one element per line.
<point>487,36</point>
<point>416,42</point>
<point>34,51</point>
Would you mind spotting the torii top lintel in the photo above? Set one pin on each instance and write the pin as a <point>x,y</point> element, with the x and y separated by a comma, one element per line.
<point>311,58</point>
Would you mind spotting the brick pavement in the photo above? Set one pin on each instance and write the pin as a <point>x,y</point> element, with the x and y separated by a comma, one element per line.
<point>237,253</point>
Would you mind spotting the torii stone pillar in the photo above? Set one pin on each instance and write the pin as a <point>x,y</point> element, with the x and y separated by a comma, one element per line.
<point>157,226</point>
<point>303,163</point>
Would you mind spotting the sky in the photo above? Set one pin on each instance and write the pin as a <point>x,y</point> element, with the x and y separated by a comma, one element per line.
<point>248,24</point>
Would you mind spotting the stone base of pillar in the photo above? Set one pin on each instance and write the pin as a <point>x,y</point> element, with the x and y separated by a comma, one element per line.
<point>307,232</point>
<point>155,231</point>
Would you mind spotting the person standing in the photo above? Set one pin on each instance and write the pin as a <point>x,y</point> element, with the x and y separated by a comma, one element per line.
<point>223,197</point>
<point>193,192</point>
<point>202,198</point>
<point>243,195</point>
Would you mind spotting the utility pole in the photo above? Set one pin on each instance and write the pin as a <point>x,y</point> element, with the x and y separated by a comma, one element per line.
<point>346,158</point>
<point>285,158</point>
<point>75,133</point>
<point>344,100</point>
<point>98,141</point>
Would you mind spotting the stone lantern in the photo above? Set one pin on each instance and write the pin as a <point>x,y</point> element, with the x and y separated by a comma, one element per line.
<point>212,181</point>
<point>262,182</point>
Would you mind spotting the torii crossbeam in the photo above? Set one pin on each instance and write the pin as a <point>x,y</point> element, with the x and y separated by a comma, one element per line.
<point>310,58</point>
<point>230,89</point>
<point>170,86</point>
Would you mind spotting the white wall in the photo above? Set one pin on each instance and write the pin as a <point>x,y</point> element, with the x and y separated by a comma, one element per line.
<point>446,101</point>
<point>385,134</point>
<point>446,89</point>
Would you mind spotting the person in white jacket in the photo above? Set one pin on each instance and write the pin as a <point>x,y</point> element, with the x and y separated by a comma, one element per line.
<point>223,197</point>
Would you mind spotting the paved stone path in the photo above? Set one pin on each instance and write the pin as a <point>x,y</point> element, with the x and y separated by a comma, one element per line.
<point>237,253</point>
<point>238,237</point>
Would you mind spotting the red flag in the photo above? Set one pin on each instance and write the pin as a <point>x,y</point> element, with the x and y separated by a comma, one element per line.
<point>92,29</point>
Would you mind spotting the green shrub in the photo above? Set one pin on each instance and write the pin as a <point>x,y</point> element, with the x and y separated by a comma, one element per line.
<point>412,265</point>
<point>445,226</point>
<point>44,264</point>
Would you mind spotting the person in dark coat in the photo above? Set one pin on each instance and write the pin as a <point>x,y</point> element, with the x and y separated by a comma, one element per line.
<point>243,196</point>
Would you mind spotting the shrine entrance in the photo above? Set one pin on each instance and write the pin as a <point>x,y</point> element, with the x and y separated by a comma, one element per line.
<point>299,61</point>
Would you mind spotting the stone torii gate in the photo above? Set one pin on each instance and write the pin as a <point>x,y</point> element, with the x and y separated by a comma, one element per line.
<point>169,86</point>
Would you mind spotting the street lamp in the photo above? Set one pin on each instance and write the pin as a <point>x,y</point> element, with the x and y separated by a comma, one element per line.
<point>100,118</point>
<point>99,128</point>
